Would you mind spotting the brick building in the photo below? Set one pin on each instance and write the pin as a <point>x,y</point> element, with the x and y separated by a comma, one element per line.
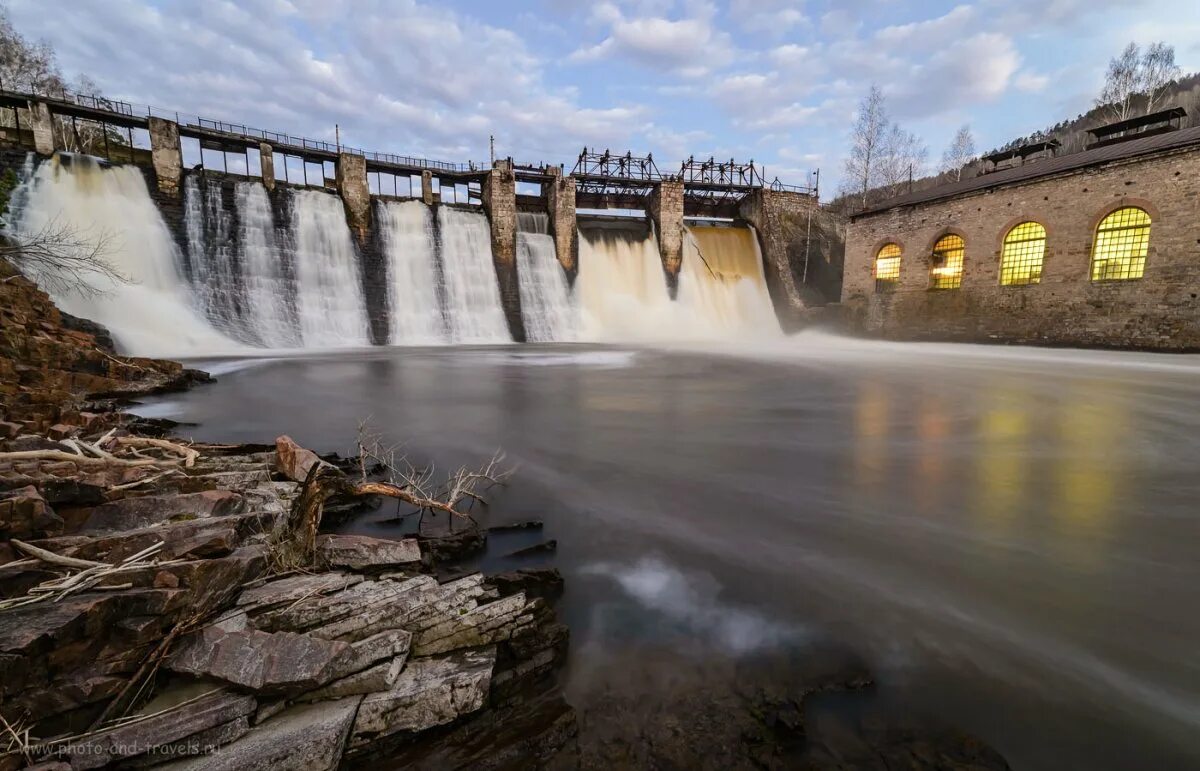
<point>1096,248</point>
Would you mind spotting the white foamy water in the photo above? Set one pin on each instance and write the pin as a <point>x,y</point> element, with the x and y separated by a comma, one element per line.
<point>722,292</point>
<point>266,284</point>
<point>153,314</point>
<point>329,295</point>
<point>473,309</point>
<point>722,285</point>
<point>416,314</point>
<point>548,306</point>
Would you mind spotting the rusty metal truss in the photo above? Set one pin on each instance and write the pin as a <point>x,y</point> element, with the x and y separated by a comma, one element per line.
<point>721,173</point>
<point>607,166</point>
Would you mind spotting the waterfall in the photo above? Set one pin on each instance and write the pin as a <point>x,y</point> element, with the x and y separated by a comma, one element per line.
<point>621,285</point>
<point>151,314</point>
<point>268,282</point>
<point>329,294</point>
<point>472,294</point>
<point>411,248</point>
<point>211,263</point>
<point>547,305</point>
<point>722,290</point>
<point>721,282</point>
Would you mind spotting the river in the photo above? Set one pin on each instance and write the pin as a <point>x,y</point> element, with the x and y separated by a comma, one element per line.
<point>1007,536</point>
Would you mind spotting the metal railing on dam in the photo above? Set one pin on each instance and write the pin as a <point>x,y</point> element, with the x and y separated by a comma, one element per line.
<point>620,174</point>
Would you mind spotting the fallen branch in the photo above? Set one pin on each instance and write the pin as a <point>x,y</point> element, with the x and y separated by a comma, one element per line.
<point>61,455</point>
<point>54,559</point>
<point>133,442</point>
<point>89,576</point>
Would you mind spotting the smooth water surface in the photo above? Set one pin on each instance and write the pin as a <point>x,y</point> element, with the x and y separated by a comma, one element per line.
<point>1009,537</point>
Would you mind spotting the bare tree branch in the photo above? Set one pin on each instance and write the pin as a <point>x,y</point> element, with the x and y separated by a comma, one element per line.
<point>64,259</point>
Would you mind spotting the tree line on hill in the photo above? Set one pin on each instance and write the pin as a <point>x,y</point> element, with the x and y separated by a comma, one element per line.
<point>886,161</point>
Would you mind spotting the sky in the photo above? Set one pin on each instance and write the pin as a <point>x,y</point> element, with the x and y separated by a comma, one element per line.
<point>774,81</point>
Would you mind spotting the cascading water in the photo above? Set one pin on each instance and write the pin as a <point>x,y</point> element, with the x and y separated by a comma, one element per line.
<point>151,314</point>
<point>211,263</point>
<point>268,283</point>
<point>413,273</point>
<point>624,290</point>
<point>548,306</point>
<point>621,285</point>
<point>721,282</point>
<point>329,294</point>
<point>472,295</point>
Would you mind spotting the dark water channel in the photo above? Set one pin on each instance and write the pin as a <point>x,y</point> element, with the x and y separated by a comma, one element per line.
<point>1010,538</point>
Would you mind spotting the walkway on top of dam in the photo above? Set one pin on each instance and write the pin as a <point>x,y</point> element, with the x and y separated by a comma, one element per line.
<point>614,178</point>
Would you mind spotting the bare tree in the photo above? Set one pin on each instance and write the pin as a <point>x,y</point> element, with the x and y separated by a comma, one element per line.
<point>26,65</point>
<point>870,134</point>
<point>1135,74</point>
<point>960,152</point>
<point>1121,82</point>
<point>1158,71</point>
<point>902,160</point>
<point>63,259</point>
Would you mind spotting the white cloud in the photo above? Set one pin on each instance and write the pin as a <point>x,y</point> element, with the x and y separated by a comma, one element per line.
<point>690,46</point>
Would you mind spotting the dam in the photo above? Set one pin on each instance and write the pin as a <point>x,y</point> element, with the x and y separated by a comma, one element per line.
<point>367,249</point>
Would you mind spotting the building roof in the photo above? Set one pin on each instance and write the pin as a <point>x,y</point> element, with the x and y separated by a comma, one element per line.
<point>1131,148</point>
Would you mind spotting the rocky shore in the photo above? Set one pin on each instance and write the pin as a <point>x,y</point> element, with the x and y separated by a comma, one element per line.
<point>148,619</point>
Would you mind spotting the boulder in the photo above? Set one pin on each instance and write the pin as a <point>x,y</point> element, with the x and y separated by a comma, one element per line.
<point>363,553</point>
<point>271,662</point>
<point>429,692</point>
<point>24,513</point>
<point>308,737</point>
<point>546,583</point>
<point>380,677</point>
<point>292,460</point>
<point>132,513</point>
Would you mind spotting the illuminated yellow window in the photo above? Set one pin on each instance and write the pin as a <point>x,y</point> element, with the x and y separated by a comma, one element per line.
<point>887,268</point>
<point>1021,259</point>
<point>947,269</point>
<point>1122,239</point>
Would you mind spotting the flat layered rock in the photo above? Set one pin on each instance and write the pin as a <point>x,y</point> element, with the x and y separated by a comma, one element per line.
<point>133,513</point>
<point>429,692</point>
<point>273,662</point>
<point>360,552</point>
<point>308,737</point>
<point>132,739</point>
<point>482,625</point>
<point>287,591</point>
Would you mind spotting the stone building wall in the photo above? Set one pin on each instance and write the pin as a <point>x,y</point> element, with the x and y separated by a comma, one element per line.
<point>1160,311</point>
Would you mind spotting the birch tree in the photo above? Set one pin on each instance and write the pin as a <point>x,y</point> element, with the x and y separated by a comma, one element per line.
<point>960,152</point>
<point>870,133</point>
<point>1135,74</point>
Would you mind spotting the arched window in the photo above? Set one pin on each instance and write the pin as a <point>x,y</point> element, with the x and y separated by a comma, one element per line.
<point>947,269</point>
<point>1021,258</point>
<point>1122,239</point>
<point>887,268</point>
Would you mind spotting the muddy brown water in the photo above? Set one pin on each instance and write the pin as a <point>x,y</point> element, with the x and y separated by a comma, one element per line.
<point>1008,537</point>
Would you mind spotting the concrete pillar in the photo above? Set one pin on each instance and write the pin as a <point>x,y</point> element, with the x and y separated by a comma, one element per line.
<point>560,199</point>
<point>666,210</point>
<point>781,218</point>
<point>356,193</point>
<point>167,157</point>
<point>500,202</point>
<point>427,187</point>
<point>42,125</point>
<point>266,159</point>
